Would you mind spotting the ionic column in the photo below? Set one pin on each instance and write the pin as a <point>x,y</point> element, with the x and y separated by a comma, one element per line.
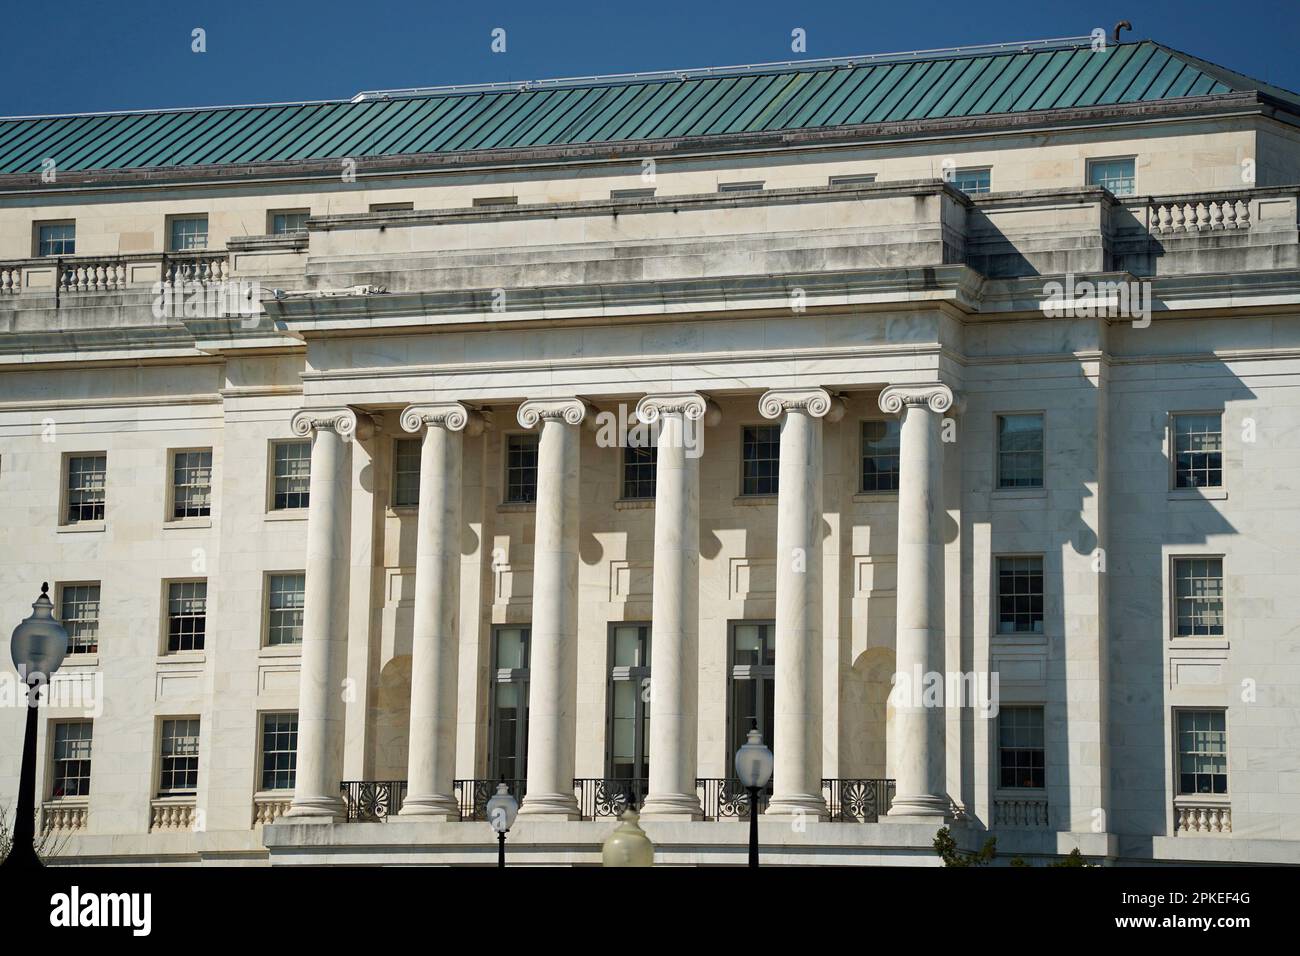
<point>919,763</point>
<point>431,767</point>
<point>674,646</point>
<point>796,778</point>
<point>325,611</point>
<point>552,671</point>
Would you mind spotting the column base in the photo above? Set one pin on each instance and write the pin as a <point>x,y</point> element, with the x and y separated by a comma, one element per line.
<point>434,808</point>
<point>550,806</point>
<point>920,805</point>
<point>681,807</point>
<point>317,809</point>
<point>796,805</point>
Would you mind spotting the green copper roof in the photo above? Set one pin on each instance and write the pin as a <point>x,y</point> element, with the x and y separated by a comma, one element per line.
<point>617,110</point>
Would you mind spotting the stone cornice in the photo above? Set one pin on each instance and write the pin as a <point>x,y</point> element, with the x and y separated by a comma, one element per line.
<point>452,416</point>
<point>571,411</point>
<point>345,421</point>
<point>691,405</point>
<point>816,402</point>
<point>936,396</point>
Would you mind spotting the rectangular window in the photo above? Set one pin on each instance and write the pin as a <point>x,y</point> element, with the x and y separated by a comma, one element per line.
<point>79,614</point>
<point>406,472</point>
<point>192,483</point>
<point>178,758</point>
<point>85,487</point>
<point>284,597</point>
<point>880,444</point>
<point>392,206</point>
<point>1202,751</point>
<point>496,201</point>
<point>70,776</point>
<point>279,751</point>
<point>863,180</point>
<point>188,234</point>
<point>761,459</point>
<point>187,615</point>
<point>1020,451</point>
<point>521,468</point>
<point>624,194</point>
<point>639,466</point>
<point>753,681</point>
<point>628,755</point>
<point>1020,749</point>
<point>973,182</point>
<point>1198,597</point>
<point>1116,175</point>
<point>287,221</point>
<point>291,478</point>
<point>1198,451</point>
<point>1020,595</point>
<point>56,238</point>
<point>755,186</point>
<point>508,737</point>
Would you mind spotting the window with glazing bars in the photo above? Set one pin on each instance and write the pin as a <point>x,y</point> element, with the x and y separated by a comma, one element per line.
<point>187,615</point>
<point>1202,751</point>
<point>1020,451</point>
<point>70,775</point>
<point>521,468</point>
<point>1116,175</point>
<point>973,182</point>
<point>289,221</point>
<point>639,471</point>
<point>628,735</point>
<point>56,239</point>
<point>1198,597</point>
<point>189,233</point>
<point>79,614</point>
<point>284,608</point>
<point>406,472</point>
<point>508,734</point>
<point>880,443</point>
<point>86,499</point>
<point>1198,451</point>
<point>192,483</point>
<point>292,478</point>
<point>279,751</point>
<point>761,459</point>
<point>753,682</point>
<point>178,757</point>
<point>1020,748</point>
<point>1020,595</point>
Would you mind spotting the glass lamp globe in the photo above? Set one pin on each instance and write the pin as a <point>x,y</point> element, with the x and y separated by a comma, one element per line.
<point>754,761</point>
<point>40,642</point>
<point>628,845</point>
<point>502,809</point>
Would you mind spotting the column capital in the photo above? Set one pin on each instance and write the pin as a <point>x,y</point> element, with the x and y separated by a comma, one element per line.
<point>939,397</point>
<point>816,402</point>
<point>691,405</point>
<point>571,411</point>
<point>452,416</point>
<point>345,421</point>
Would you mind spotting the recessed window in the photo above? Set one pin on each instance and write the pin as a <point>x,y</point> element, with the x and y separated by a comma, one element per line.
<point>880,445</point>
<point>284,600</point>
<point>56,238</point>
<point>863,180</point>
<point>70,775</point>
<point>285,222</point>
<point>392,206</point>
<point>973,181</point>
<point>1198,451</point>
<point>628,756</point>
<point>1020,595</point>
<point>178,757</point>
<point>754,186</point>
<point>85,488</point>
<point>1202,751</point>
<point>753,681</point>
<point>279,751</point>
<point>1198,597</point>
<point>291,475</point>
<point>639,466</point>
<point>188,233</point>
<point>1020,451</point>
<point>1116,175</point>
<point>640,193</point>
<point>496,201</point>
<point>192,483</point>
<point>521,468</point>
<point>79,614</point>
<point>406,472</point>
<point>1020,749</point>
<point>187,615</point>
<point>508,734</point>
<point>760,459</point>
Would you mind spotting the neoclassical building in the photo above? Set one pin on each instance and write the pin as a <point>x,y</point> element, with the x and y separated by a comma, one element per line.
<point>936,415</point>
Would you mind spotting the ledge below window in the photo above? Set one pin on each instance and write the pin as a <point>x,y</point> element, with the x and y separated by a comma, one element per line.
<point>1198,494</point>
<point>295,514</point>
<point>516,507</point>
<point>177,523</point>
<point>633,504</point>
<point>81,527</point>
<point>749,500</point>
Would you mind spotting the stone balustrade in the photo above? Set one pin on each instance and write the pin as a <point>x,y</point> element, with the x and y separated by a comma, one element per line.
<point>1200,817</point>
<point>59,275</point>
<point>172,813</point>
<point>64,815</point>
<point>1020,812</point>
<point>269,807</point>
<point>1199,213</point>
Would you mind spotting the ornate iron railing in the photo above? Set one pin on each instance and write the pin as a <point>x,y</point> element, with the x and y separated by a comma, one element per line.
<point>473,795</point>
<point>599,797</point>
<point>725,798</point>
<point>857,799</point>
<point>373,801</point>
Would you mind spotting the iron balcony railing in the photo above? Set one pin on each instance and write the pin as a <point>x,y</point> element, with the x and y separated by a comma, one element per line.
<point>373,801</point>
<point>602,797</point>
<point>473,795</point>
<point>725,798</point>
<point>857,800</point>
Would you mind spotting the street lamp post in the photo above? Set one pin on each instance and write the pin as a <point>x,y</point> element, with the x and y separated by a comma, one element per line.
<point>754,769</point>
<point>502,809</point>
<point>37,647</point>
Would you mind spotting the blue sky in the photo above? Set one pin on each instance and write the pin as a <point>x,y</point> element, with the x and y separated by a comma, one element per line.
<point>78,56</point>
